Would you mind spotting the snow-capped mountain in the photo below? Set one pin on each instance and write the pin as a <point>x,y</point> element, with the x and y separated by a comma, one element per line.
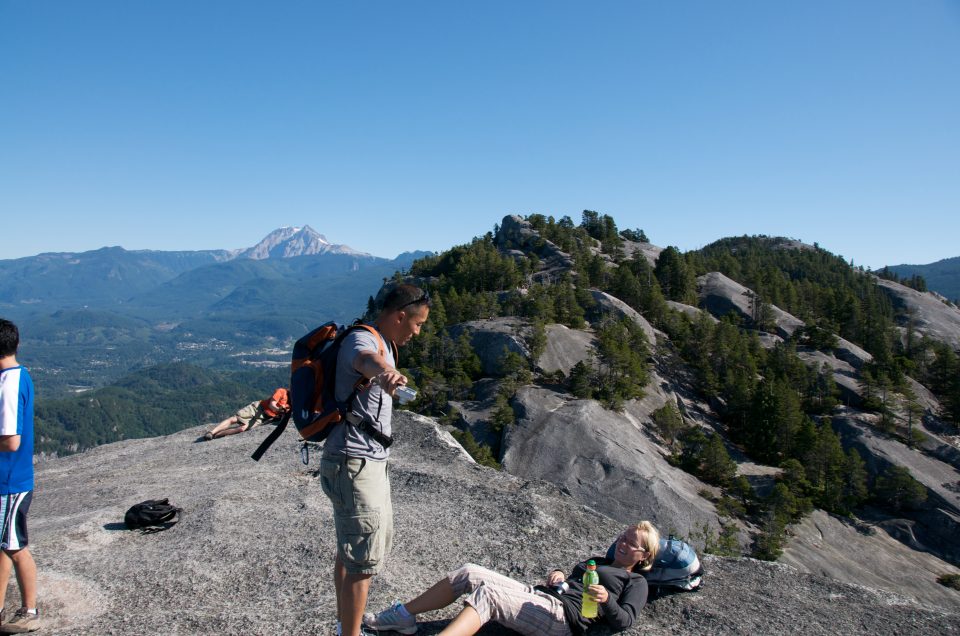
<point>288,242</point>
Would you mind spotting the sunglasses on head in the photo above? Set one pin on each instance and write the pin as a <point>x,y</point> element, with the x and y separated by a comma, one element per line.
<point>424,299</point>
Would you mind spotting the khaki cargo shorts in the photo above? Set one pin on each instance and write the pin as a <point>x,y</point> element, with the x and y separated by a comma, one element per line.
<point>252,415</point>
<point>362,511</point>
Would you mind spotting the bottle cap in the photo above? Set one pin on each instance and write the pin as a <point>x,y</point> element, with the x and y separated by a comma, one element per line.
<point>591,565</point>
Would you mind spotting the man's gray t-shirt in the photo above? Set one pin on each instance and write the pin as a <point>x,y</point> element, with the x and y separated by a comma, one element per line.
<point>372,403</point>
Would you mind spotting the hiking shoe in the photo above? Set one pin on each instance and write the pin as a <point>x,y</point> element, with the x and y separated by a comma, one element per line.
<point>392,619</point>
<point>21,623</point>
<point>208,436</point>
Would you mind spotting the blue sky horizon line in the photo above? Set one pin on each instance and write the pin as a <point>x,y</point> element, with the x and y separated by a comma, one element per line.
<point>408,249</point>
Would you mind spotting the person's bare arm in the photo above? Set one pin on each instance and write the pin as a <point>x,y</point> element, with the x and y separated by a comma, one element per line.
<point>374,366</point>
<point>9,443</point>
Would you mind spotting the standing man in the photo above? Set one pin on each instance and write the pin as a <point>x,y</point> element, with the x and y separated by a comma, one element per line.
<point>353,470</point>
<point>16,482</point>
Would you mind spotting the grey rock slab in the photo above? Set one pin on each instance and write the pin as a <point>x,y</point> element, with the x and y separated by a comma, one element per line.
<point>861,555</point>
<point>565,348</point>
<point>490,337</point>
<point>604,458</point>
<point>721,295</point>
<point>476,415</point>
<point>768,340</point>
<point>650,252</point>
<point>254,550</point>
<point>844,374</point>
<point>851,354</point>
<point>689,310</point>
<point>932,473</point>
<point>517,232</point>
<point>612,304</point>
<point>939,516</point>
<point>931,316</point>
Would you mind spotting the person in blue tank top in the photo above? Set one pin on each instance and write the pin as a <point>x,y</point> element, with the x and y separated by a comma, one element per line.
<point>16,482</point>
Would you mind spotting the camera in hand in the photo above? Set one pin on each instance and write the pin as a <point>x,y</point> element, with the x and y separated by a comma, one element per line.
<point>405,394</point>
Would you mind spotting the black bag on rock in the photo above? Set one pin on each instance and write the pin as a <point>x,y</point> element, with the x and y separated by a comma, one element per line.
<point>152,515</point>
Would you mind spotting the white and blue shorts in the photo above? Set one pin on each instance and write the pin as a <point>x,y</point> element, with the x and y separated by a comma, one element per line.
<point>13,511</point>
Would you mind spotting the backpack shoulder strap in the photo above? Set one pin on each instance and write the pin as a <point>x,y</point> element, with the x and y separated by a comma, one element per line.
<point>381,345</point>
<point>272,437</point>
<point>366,427</point>
<point>396,352</point>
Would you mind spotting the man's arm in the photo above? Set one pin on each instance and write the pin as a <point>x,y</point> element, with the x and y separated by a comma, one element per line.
<point>10,415</point>
<point>374,366</point>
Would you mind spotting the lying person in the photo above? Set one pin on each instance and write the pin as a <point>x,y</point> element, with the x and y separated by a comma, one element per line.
<point>266,411</point>
<point>549,610</point>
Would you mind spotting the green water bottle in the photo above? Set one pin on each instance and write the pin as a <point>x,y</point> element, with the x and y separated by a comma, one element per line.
<point>588,607</point>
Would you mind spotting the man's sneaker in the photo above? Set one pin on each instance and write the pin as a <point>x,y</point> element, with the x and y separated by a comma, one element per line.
<point>21,623</point>
<point>392,619</point>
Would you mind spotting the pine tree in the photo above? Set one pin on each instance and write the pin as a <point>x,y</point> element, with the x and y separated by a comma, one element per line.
<point>438,312</point>
<point>668,422</point>
<point>825,465</point>
<point>566,308</point>
<point>503,414</point>
<point>693,441</point>
<point>627,288</point>
<point>467,358</point>
<point>622,351</point>
<point>481,454</point>
<point>676,279</point>
<point>716,466</point>
<point>897,489</point>
<point>581,381</point>
<point>775,419</point>
<point>855,482</point>
<point>513,365</point>
<point>538,339</point>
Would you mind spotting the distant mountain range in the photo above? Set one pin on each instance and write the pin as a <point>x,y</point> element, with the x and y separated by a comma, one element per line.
<point>118,308</point>
<point>942,277</point>
<point>112,276</point>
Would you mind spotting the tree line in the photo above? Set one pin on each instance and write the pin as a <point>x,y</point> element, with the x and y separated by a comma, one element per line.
<point>772,405</point>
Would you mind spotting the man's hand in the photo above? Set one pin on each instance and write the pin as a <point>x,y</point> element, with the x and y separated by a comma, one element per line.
<point>390,379</point>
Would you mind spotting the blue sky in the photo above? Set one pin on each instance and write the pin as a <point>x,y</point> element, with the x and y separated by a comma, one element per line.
<point>392,126</point>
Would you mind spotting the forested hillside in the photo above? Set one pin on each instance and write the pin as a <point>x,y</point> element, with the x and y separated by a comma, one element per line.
<point>772,405</point>
<point>942,277</point>
<point>152,401</point>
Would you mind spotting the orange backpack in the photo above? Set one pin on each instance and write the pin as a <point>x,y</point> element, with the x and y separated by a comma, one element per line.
<point>313,369</point>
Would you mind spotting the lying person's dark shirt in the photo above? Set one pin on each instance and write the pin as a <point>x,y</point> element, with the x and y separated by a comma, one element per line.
<point>627,596</point>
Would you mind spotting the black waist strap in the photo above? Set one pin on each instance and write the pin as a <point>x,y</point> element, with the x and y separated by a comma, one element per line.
<point>384,440</point>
